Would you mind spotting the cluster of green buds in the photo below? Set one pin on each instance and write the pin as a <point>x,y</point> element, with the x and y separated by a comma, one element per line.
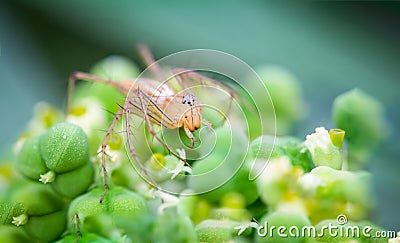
<point>58,157</point>
<point>234,185</point>
<point>56,167</point>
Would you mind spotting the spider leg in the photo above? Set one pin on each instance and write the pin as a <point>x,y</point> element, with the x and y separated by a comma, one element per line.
<point>130,144</point>
<point>117,117</point>
<point>188,78</point>
<point>190,135</point>
<point>90,78</point>
<point>148,59</point>
<point>208,124</point>
<point>78,228</point>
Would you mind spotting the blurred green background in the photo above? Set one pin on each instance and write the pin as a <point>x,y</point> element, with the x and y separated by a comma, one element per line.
<point>330,46</point>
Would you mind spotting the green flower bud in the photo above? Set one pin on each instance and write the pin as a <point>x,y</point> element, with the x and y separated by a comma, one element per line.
<point>124,175</point>
<point>244,187</point>
<point>340,191</point>
<point>268,146</point>
<point>13,234</point>
<point>362,117</point>
<point>37,209</point>
<point>87,237</point>
<point>46,228</point>
<point>211,230</point>
<point>10,210</point>
<point>29,162</point>
<point>116,68</point>
<point>286,95</point>
<point>201,211</point>
<point>278,182</point>
<point>208,175</point>
<point>75,182</point>
<point>262,147</point>
<point>238,215</point>
<point>233,200</point>
<point>172,227</point>
<point>125,203</point>
<point>358,188</point>
<point>187,203</point>
<point>87,205</point>
<point>281,219</point>
<point>219,167</point>
<point>119,208</point>
<point>101,224</point>
<point>37,199</point>
<point>323,151</point>
<point>64,147</point>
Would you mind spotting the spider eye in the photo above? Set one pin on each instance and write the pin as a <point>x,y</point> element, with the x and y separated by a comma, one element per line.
<point>189,99</point>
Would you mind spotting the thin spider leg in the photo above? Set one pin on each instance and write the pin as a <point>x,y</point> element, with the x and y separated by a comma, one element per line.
<point>190,136</point>
<point>208,124</point>
<point>132,148</point>
<point>153,133</point>
<point>138,110</point>
<point>117,117</point>
<point>186,75</point>
<point>91,78</point>
<point>194,78</point>
<point>78,228</point>
<point>143,95</point>
<point>149,61</point>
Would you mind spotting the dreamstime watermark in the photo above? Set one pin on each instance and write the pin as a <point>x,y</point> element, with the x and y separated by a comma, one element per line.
<point>339,230</point>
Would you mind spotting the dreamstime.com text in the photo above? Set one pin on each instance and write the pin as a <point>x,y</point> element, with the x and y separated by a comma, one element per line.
<point>331,230</point>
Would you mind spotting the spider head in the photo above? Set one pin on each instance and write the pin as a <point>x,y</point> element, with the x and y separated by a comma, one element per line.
<point>192,117</point>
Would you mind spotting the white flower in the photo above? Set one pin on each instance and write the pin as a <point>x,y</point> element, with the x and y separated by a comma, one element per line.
<point>180,167</point>
<point>44,116</point>
<point>293,206</point>
<point>167,200</point>
<point>89,115</point>
<point>50,176</point>
<point>20,220</point>
<point>309,182</point>
<point>113,155</point>
<point>276,168</point>
<point>319,139</point>
<point>323,151</point>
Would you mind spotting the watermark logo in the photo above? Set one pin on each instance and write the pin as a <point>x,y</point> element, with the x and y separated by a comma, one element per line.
<point>341,219</point>
<point>339,230</point>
